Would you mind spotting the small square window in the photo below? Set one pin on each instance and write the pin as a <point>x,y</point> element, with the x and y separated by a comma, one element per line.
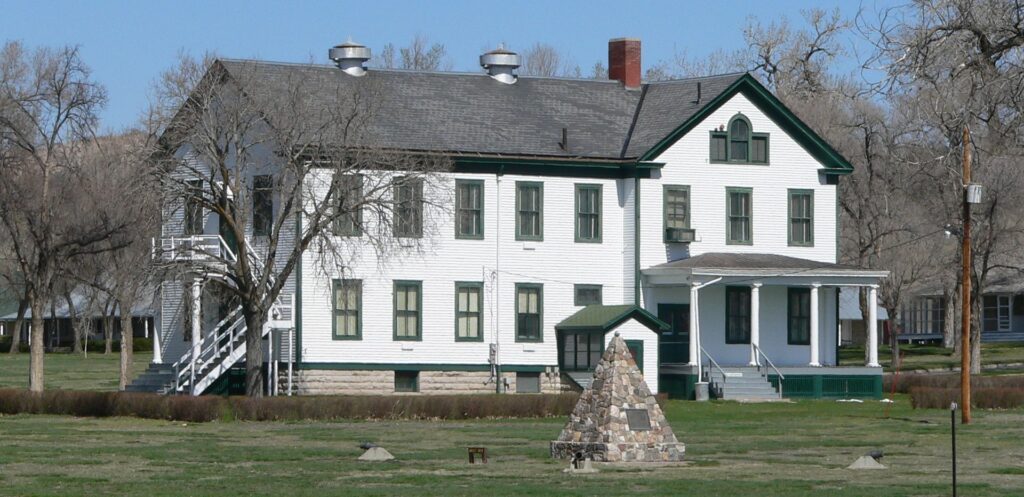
<point>587,295</point>
<point>527,382</point>
<point>407,381</point>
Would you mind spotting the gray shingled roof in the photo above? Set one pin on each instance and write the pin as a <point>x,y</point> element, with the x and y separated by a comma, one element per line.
<point>472,113</point>
<point>722,260</point>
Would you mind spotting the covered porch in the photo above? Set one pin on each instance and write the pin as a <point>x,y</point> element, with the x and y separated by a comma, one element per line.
<point>772,314</point>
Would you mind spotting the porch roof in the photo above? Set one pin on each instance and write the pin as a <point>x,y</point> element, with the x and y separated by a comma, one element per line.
<point>604,318</point>
<point>758,265</point>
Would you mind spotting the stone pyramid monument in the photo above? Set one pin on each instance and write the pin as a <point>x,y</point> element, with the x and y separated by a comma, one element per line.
<point>617,419</point>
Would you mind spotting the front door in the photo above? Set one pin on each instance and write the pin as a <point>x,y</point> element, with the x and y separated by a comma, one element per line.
<point>674,346</point>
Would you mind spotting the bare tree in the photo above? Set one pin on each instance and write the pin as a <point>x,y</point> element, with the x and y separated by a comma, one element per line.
<point>325,167</point>
<point>419,55</point>
<point>543,59</point>
<point>48,109</point>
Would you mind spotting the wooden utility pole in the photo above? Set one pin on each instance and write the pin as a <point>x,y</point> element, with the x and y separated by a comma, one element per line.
<point>965,323</point>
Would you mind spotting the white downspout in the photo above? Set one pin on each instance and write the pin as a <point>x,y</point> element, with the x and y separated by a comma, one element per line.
<point>498,380</point>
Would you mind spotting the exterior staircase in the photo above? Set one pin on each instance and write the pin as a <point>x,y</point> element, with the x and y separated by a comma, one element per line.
<point>222,346</point>
<point>743,383</point>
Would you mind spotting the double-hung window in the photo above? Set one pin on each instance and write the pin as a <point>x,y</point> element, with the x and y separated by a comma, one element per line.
<point>348,303</point>
<point>588,213</point>
<point>737,314</point>
<point>408,207</point>
<point>739,223</point>
<point>348,220</point>
<point>799,316</point>
<point>469,311</point>
<point>262,205</point>
<point>469,209</point>
<point>529,312</point>
<point>676,211</point>
<point>801,217</point>
<point>408,310</point>
<point>996,313</point>
<point>529,210</point>
<point>193,206</point>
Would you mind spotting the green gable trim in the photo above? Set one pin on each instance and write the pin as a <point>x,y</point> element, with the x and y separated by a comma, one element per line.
<point>833,161</point>
<point>354,366</point>
<point>604,318</point>
<point>572,168</point>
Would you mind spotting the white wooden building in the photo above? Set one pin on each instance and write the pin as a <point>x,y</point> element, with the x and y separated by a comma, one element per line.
<point>696,217</point>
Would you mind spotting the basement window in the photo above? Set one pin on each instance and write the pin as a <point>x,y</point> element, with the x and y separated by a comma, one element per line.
<point>407,381</point>
<point>527,382</point>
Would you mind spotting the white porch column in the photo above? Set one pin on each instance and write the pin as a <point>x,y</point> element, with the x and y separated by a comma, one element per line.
<point>694,351</point>
<point>197,339</point>
<point>815,327</point>
<point>755,321</point>
<point>156,343</point>
<point>873,326</point>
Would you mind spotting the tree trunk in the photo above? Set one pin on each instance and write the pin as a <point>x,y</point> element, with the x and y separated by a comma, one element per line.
<point>108,333</point>
<point>35,363</point>
<point>126,344</point>
<point>950,338</point>
<point>254,321</point>
<point>862,299</point>
<point>73,319</point>
<point>976,336</point>
<point>18,323</point>
<point>894,332</point>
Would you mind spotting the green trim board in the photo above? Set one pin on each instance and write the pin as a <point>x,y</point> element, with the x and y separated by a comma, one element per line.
<point>554,166</point>
<point>407,284</point>
<point>636,240</point>
<point>790,194</point>
<point>369,366</point>
<point>597,205</point>
<point>540,311</point>
<point>604,318</point>
<point>460,232</point>
<point>340,284</point>
<point>763,99</point>
<point>520,187</point>
<point>475,285</point>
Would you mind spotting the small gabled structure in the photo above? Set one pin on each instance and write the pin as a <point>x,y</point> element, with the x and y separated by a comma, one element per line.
<point>617,418</point>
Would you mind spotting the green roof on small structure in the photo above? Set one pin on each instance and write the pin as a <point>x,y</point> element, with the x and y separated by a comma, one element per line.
<point>604,318</point>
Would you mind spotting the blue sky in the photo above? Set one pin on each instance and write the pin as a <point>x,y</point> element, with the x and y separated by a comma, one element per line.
<point>128,43</point>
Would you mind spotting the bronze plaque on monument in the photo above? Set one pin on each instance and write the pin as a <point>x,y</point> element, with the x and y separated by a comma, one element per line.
<point>638,419</point>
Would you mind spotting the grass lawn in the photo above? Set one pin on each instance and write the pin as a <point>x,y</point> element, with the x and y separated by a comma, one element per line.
<point>933,356</point>
<point>70,371</point>
<point>799,448</point>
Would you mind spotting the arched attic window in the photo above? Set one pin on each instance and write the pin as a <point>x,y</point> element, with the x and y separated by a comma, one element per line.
<point>738,143</point>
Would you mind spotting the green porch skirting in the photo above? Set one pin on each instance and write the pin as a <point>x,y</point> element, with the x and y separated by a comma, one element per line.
<point>818,386</point>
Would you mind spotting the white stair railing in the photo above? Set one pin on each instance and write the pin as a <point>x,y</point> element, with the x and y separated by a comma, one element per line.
<point>759,354</point>
<point>225,345</point>
<point>721,372</point>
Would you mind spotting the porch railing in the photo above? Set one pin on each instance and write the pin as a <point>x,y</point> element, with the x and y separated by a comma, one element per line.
<point>713,363</point>
<point>199,248</point>
<point>758,354</point>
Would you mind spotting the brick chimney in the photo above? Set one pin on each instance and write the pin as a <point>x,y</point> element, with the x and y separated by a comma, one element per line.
<point>624,61</point>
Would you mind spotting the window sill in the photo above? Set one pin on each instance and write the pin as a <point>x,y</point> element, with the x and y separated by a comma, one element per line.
<point>470,340</point>
<point>346,338</point>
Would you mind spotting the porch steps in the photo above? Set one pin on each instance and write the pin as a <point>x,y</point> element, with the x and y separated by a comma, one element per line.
<point>743,384</point>
<point>1002,337</point>
<point>157,378</point>
<point>582,378</point>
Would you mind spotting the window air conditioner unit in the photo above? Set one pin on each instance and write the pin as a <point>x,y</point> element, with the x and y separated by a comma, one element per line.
<point>680,235</point>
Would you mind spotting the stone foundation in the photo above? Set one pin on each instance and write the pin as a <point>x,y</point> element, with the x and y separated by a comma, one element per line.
<point>382,382</point>
<point>623,452</point>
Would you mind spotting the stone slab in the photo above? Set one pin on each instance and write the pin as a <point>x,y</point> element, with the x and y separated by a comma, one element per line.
<point>376,454</point>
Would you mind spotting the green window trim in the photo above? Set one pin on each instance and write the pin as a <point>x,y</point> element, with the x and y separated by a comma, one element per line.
<point>462,231</point>
<point>721,144</point>
<point>808,218</point>
<point>341,285</point>
<point>349,223</point>
<point>479,313</point>
<point>730,239</point>
<point>400,287</point>
<point>798,316</point>
<point>737,332</point>
<point>407,381</point>
<point>408,207</point>
<point>539,287</point>
<point>588,218</point>
<point>522,186</point>
<point>579,350</point>
<point>671,214</point>
<point>579,302</point>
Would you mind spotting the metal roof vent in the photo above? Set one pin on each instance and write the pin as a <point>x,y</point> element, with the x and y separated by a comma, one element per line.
<point>350,57</point>
<point>501,64</point>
